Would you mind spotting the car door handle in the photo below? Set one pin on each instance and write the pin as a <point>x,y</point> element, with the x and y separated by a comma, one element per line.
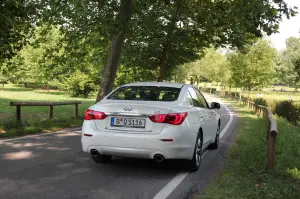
<point>201,116</point>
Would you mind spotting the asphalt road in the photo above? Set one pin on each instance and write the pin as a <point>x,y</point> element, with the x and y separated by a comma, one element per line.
<point>54,166</point>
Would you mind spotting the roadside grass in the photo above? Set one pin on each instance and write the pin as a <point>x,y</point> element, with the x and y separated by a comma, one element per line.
<point>245,175</point>
<point>35,119</point>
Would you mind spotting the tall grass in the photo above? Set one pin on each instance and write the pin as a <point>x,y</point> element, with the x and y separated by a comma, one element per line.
<point>245,174</point>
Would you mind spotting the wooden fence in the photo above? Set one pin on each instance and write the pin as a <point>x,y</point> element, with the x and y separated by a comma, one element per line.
<point>272,126</point>
<point>18,106</point>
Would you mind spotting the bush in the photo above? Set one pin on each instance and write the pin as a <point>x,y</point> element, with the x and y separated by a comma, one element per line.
<point>80,85</point>
<point>260,101</point>
<point>288,110</point>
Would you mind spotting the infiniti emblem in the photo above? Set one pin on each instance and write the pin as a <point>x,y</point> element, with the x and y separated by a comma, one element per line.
<point>127,109</point>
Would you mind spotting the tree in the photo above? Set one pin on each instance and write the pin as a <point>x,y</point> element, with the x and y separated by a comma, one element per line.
<point>163,34</point>
<point>16,19</point>
<point>213,66</point>
<point>33,64</point>
<point>3,74</point>
<point>110,19</point>
<point>175,32</point>
<point>288,66</point>
<point>254,68</point>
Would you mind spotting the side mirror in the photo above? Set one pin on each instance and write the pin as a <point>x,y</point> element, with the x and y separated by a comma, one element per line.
<point>215,105</point>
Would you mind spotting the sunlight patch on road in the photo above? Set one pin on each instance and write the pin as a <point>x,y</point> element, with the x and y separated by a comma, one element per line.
<point>66,134</point>
<point>56,148</point>
<point>18,155</point>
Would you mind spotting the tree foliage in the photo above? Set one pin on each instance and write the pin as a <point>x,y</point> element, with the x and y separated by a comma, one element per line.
<point>288,68</point>
<point>212,67</point>
<point>163,34</point>
<point>254,68</point>
<point>174,33</point>
<point>17,19</point>
<point>153,38</point>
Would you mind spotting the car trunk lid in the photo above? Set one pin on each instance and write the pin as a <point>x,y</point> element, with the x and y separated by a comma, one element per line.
<point>131,116</point>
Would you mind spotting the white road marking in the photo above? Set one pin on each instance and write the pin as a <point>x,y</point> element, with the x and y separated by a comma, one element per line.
<point>37,135</point>
<point>228,123</point>
<point>171,186</point>
<point>167,190</point>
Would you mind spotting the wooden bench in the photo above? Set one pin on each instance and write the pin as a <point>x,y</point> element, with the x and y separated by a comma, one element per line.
<point>50,104</point>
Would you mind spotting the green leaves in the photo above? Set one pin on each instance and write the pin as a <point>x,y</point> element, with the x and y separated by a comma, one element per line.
<point>16,19</point>
<point>255,68</point>
<point>288,67</point>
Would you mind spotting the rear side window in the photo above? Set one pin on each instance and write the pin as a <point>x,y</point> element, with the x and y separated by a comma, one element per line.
<point>146,93</point>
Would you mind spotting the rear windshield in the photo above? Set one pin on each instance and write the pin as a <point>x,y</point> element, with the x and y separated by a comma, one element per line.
<point>146,93</point>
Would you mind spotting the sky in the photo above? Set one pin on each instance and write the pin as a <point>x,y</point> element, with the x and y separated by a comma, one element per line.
<point>287,28</point>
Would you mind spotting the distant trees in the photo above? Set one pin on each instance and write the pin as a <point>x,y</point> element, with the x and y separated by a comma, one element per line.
<point>33,64</point>
<point>254,68</point>
<point>213,66</point>
<point>288,68</point>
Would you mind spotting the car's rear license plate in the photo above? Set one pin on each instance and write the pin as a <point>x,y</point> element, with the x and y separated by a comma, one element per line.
<point>127,122</point>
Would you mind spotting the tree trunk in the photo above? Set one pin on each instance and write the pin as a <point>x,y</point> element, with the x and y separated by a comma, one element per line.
<point>192,81</point>
<point>162,70</point>
<point>116,45</point>
<point>3,85</point>
<point>26,85</point>
<point>47,86</point>
<point>163,63</point>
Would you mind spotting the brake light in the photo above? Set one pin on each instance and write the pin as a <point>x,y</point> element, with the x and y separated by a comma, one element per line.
<point>176,118</point>
<point>172,118</point>
<point>94,115</point>
<point>158,118</point>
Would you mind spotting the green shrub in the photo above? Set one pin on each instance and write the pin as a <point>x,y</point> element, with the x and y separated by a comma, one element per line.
<point>80,85</point>
<point>260,101</point>
<point>288,110</point>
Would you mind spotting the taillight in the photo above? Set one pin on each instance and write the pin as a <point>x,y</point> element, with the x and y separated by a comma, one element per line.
<point>176,118</point>
<point>94,115</point>
<point>172,118</point>
<point>158,118</point>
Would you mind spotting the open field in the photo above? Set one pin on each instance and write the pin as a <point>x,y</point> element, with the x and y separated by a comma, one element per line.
<point>245,175</point>
<point>268,93</point>
<point>36,118</point>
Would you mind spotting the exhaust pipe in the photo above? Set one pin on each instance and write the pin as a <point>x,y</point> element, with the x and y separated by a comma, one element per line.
<point>158,158</point>
<point>94,152</point>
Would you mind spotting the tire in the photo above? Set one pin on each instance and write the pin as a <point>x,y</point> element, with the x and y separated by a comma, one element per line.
<point>102,158</point>
<point>195,163</point>
<point>215,145</point>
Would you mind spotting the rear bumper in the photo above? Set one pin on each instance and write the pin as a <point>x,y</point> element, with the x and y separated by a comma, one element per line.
<point>138,145</point>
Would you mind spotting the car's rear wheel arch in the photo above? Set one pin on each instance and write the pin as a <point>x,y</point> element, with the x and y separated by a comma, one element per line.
<point>200,132</point>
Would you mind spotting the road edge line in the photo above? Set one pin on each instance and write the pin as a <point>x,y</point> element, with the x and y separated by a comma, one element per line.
<point>171,186</point>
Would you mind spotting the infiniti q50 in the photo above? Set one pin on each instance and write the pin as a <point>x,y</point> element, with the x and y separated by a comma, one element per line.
<point>154,120</point>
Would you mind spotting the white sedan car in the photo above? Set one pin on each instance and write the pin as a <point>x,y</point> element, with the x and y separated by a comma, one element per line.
<point>155,120</point>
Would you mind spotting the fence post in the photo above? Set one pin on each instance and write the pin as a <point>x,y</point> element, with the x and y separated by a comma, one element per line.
<point>18,108</point>
<point>50,112</point>
<point>76,111</point>
<point>271,149</point>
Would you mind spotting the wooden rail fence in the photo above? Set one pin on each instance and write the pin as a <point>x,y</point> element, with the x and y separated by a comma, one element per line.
<point>272,126</point>
<point>51,105</point>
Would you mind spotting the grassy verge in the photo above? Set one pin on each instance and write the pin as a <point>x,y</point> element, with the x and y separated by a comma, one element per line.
<point>35,119</point>
<point>244,174</point>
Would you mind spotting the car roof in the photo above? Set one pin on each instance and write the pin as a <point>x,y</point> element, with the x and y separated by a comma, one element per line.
<point>162,84</point>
